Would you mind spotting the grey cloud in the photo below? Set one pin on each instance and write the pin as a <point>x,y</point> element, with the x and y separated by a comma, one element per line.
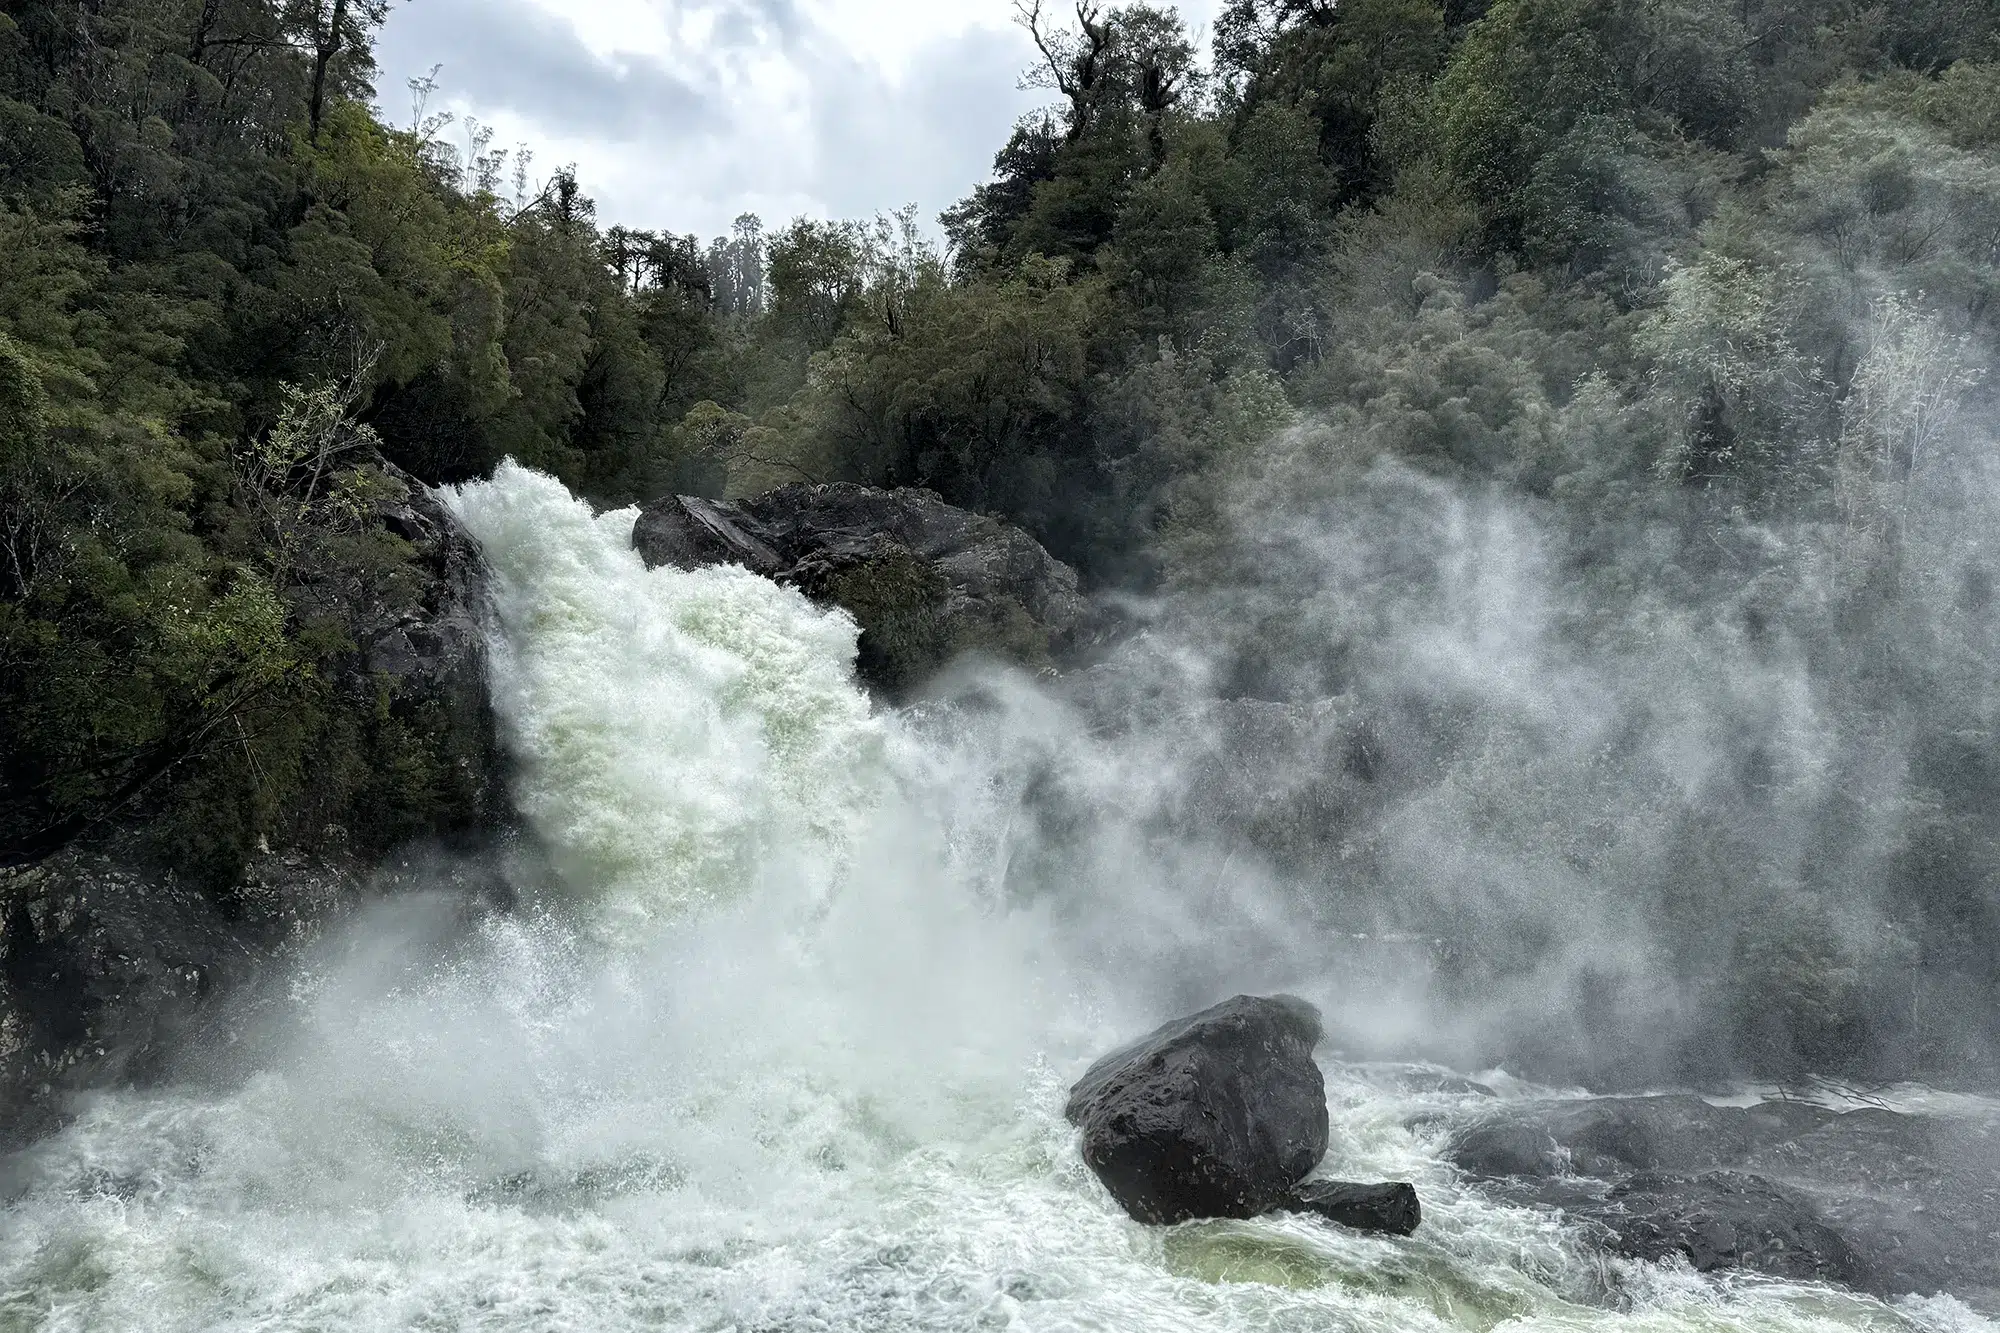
<point>873,143</point>
<point>927,140</point>
<point>509,54</point>
<point>750,22</point>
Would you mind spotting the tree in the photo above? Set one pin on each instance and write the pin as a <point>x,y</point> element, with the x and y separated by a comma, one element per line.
<point>1334,63</point>
<point>336,35</point>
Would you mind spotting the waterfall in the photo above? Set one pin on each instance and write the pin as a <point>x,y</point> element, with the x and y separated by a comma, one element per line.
<point>773,1048</point>
<point>674,731</point>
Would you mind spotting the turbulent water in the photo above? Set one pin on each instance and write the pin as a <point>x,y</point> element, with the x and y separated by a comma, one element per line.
<point>770,1046</point>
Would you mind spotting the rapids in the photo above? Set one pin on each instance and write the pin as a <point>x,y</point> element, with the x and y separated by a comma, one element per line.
<point>771,1046</point>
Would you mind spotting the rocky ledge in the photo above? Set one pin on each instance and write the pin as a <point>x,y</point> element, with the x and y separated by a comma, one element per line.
<point>927,582</point>
<point>1883,1202</point>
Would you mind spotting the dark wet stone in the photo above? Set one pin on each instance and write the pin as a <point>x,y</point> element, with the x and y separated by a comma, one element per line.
<point>102,971</point>
<point>1724,1220</point>
<point>1215,1115</point>
<point>1888,1203</point>
<point>1391,1208</point>
<point>1606,1135</point>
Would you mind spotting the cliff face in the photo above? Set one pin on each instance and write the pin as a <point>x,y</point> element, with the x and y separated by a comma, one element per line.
<point>112,953</point>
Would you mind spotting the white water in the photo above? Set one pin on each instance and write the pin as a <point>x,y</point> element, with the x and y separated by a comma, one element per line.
<point>774,1052</point>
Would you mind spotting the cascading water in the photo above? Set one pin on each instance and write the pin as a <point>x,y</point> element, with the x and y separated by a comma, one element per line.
<point>682,734</point>
<point>776,1051</point>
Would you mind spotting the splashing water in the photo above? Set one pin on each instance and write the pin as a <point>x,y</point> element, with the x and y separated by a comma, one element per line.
<point>808,1076</point>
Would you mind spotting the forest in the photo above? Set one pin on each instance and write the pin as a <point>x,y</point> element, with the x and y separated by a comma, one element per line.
<point>1703,294</point>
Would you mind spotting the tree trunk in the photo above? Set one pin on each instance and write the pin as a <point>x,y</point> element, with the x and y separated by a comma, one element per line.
<point>327,43</point>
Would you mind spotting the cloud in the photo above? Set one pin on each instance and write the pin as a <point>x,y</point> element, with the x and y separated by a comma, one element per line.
<point>925,138</point>
<point>741,22</point>
<point>513,55</point>
<point>680,114</point>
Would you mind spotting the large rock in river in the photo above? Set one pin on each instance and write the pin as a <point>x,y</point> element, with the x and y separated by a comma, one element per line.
<point>1217,1115</point>
<point>926,581</point>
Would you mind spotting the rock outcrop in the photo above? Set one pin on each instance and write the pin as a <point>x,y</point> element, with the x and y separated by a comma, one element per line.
<point>441,644</point>
<point>1218,1115</point>
<point>927,582</point>
<point>422,659</point>
<point>1884,1202</point>
<point>102,970</point>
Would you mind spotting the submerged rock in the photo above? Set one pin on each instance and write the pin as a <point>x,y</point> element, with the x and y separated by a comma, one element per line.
<point>1888,1203</point>
<point>927,582</point>
<point>1390,1208</point>
<point>1216,1115</point>
<point>1726,1220</point>
<point>1607,1136</point>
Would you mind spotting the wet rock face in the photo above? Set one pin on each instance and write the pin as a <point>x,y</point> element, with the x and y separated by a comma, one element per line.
<point>112,976</point>
<point>1885,1202</point>
<point>442,642</point>
<point>102,971</point>
<point>926,581</point>
<point>1216,1115</point>
<point>110,961</point>
<point>425,660</point>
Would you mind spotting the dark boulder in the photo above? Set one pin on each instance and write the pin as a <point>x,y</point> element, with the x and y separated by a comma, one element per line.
<point>1389,1208</point>
<point>1217,1115</point>
<point>927,582</point>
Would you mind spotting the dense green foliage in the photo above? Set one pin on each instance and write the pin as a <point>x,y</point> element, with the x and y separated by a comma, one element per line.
<point>212,258</point>
<point>1698,293</point>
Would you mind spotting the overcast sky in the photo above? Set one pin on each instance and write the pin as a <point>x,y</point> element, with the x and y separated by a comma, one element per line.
<point>681,114</point>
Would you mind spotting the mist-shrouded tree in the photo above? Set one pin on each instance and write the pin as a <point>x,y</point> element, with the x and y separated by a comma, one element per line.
<point>736,267</point>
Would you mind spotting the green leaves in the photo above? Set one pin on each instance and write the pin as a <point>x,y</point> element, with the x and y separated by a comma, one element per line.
<point>23,411</point>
